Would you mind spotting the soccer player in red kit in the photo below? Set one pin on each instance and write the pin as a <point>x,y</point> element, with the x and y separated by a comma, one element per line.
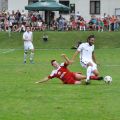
<point>63,73</point>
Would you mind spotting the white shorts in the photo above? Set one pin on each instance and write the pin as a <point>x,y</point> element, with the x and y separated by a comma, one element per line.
<point>28,46</point>
<point>85,62</point>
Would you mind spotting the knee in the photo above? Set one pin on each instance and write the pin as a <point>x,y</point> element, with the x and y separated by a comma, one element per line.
<point>32,50</point>
<point>25,52</point>
<point>89,64</point>
<point>96,72</point>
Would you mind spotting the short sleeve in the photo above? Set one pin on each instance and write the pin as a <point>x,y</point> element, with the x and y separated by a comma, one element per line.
<point>80,47</point>
<point>64,64</point>
<point>52,75</point>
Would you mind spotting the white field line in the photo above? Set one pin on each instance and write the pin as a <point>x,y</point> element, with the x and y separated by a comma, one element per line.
<point>40,63</point>
<point>35,49</point>
<point>117,65</point>
<point>6,51</point>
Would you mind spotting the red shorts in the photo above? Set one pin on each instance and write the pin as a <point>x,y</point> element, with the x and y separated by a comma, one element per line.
<point>69,78</point>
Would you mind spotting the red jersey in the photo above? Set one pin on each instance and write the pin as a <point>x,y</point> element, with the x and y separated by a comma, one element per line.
<point>63,74</point>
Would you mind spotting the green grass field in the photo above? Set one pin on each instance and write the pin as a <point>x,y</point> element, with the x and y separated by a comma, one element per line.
<point>22,99</point>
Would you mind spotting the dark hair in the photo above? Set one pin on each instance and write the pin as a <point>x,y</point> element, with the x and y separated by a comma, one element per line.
<point>52,62</point>
<point>79,42</point>
<point>89,37</point>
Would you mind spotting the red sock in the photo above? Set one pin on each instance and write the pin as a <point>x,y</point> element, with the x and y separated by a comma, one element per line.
<point>94,77</point>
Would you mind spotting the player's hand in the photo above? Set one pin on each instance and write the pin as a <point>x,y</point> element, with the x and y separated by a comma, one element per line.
<point>63,55</point>
<point>37,82</point>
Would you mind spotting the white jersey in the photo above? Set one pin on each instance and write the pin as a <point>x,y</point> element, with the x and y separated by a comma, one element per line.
<point>28,36</point>
<point>85,51</point>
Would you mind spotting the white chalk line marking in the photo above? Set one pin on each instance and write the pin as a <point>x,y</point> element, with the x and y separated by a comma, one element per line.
<point>4,51</point>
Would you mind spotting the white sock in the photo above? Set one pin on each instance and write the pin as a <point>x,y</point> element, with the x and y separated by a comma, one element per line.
<point>84,28</point>
<point>25,56</point>
<point>89,72</point>
<point>31,56</point>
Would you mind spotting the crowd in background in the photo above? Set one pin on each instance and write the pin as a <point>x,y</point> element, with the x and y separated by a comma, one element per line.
<point>18,21</point>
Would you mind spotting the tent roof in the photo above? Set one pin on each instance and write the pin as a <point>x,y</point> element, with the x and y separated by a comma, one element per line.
<point>47,5</point>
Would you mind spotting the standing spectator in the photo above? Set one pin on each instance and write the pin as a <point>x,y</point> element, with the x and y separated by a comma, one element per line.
<point>98,24</point>
<point>28,45</point>
<point>116,25</point>
<point>101,25</point>
<point>112,23</point>
<point>82,25</point>
<point>40,25</point>
<point>106,23</point>
<point>109,21</point>
<point>74,24</point>
<point>18,16</point>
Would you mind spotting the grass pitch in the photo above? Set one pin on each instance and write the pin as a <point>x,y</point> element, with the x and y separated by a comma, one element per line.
<point>22,99</point>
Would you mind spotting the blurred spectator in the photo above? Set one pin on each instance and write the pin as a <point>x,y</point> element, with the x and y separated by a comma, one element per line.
<point>33,19</point>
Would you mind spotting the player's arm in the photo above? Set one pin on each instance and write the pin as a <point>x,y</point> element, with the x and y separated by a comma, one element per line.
<point>43,80</point>
<point>66,58</point>
<point>32,37</point>
<point>74,56</point>
<point>93,57</point>
<point>23,36</point>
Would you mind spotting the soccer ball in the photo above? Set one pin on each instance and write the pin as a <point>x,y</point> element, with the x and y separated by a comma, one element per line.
<point>108,79</point>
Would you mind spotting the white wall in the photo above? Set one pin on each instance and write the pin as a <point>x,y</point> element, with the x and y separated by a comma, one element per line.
<point>3,5</point>
<point>82,6</point>
<point>17,5</point>
<point>0,5</point>
<point>108,6</point>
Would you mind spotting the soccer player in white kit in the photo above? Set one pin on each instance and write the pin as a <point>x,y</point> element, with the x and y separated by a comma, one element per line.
<point>28,45</point>
<point>87,59</point>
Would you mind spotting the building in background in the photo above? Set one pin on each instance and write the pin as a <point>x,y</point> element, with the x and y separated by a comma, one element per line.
<point>84,8</point>
<point>99,8</point>
<point>3,5</point>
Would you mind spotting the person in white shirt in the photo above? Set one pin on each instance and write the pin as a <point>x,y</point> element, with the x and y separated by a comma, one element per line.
<point>28,45</point>
<point>87,59</point>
